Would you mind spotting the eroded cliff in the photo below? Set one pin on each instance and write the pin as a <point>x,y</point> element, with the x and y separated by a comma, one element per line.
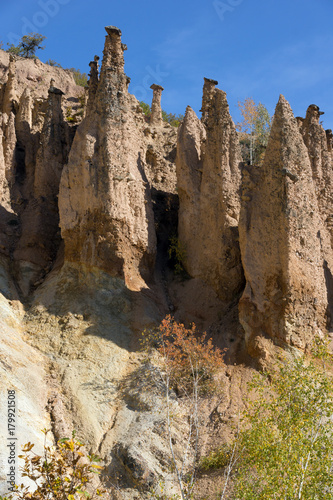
<point>87,212</point>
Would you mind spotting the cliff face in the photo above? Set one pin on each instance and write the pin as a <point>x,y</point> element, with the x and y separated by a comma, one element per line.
<point>285,246</point>
<point>35,143</point>
<point>208,173</point>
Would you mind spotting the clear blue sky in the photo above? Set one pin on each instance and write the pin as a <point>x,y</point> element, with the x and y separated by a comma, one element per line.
<point>254,48</point>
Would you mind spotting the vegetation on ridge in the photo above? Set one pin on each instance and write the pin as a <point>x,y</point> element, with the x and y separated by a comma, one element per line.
<point>171,118</point>
<point>28,45</point>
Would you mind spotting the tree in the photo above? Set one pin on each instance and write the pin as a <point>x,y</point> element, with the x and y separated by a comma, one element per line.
<point>257,124</point>
<point>187,366</point>
<point>28,45</point>
<point>287,448</point>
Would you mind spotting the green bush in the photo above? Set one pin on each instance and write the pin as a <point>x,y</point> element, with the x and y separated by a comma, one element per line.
<point>216,459</point>
<point>177,254</point>
<point>81,79</point>
<point>53,63</point>
<point>172,119</point>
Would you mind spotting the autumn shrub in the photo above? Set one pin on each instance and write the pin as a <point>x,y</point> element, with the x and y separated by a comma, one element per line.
<point>187,365</point>
<point>184,353</point>
<point>63,472</point>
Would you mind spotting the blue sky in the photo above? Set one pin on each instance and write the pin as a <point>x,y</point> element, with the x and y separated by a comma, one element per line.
<point>254,48</point>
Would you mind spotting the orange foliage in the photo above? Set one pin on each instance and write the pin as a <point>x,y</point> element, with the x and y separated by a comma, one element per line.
<point>187,355</point>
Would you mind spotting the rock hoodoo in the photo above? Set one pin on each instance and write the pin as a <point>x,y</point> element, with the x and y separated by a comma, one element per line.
<point>285,247</point>
<point>156,109</point>
<point>106,214</point>
<point>208,172</point>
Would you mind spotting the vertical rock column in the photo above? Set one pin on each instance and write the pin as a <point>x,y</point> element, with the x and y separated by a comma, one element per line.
<point>207,97</point>
<point>284,244</point>
<point>156,109</point>
<point>106,214</point>
<point>10,98</point>
<point>40,237</point>
<point>208,176</point>
<point>320,156</point>
<point>93,81</point>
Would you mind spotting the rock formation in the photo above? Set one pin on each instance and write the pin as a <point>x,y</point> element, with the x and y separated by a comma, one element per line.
<point>40,238</point>
<point>10,97</point>
<point>156,110</point>
<point>208,173</point>
<point>86,216</point>
<point>285,247</point>
<point>106,215</point>
<point>319,149</point>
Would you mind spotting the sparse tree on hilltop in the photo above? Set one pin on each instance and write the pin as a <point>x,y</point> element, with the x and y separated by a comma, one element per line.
<point>28,45</point>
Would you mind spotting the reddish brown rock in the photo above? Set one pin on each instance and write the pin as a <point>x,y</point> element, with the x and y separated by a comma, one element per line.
<point>285,247</point>
<point>208,172</point>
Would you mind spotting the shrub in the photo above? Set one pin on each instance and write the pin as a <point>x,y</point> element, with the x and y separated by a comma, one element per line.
<point>61,473</point>
<point>12,49</point>
<point>177,254</point>
<point>172,119</point>
<point>80,79</point>
<point>146,108</point>
<point>53,63</point>
<point>216,459</point>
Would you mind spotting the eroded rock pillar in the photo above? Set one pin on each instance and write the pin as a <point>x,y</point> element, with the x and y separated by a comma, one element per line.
<point>156,109</point>
<point>285,247</point>
<point>207,96</point>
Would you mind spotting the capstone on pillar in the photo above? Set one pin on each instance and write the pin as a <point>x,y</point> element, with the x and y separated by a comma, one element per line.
<point>156,109</point>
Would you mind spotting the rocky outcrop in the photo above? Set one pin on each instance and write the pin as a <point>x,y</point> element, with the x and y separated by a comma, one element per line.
<point>36,75</point>
<point>208,173</point>
<point>106,215</point>
<point>285,247</point>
